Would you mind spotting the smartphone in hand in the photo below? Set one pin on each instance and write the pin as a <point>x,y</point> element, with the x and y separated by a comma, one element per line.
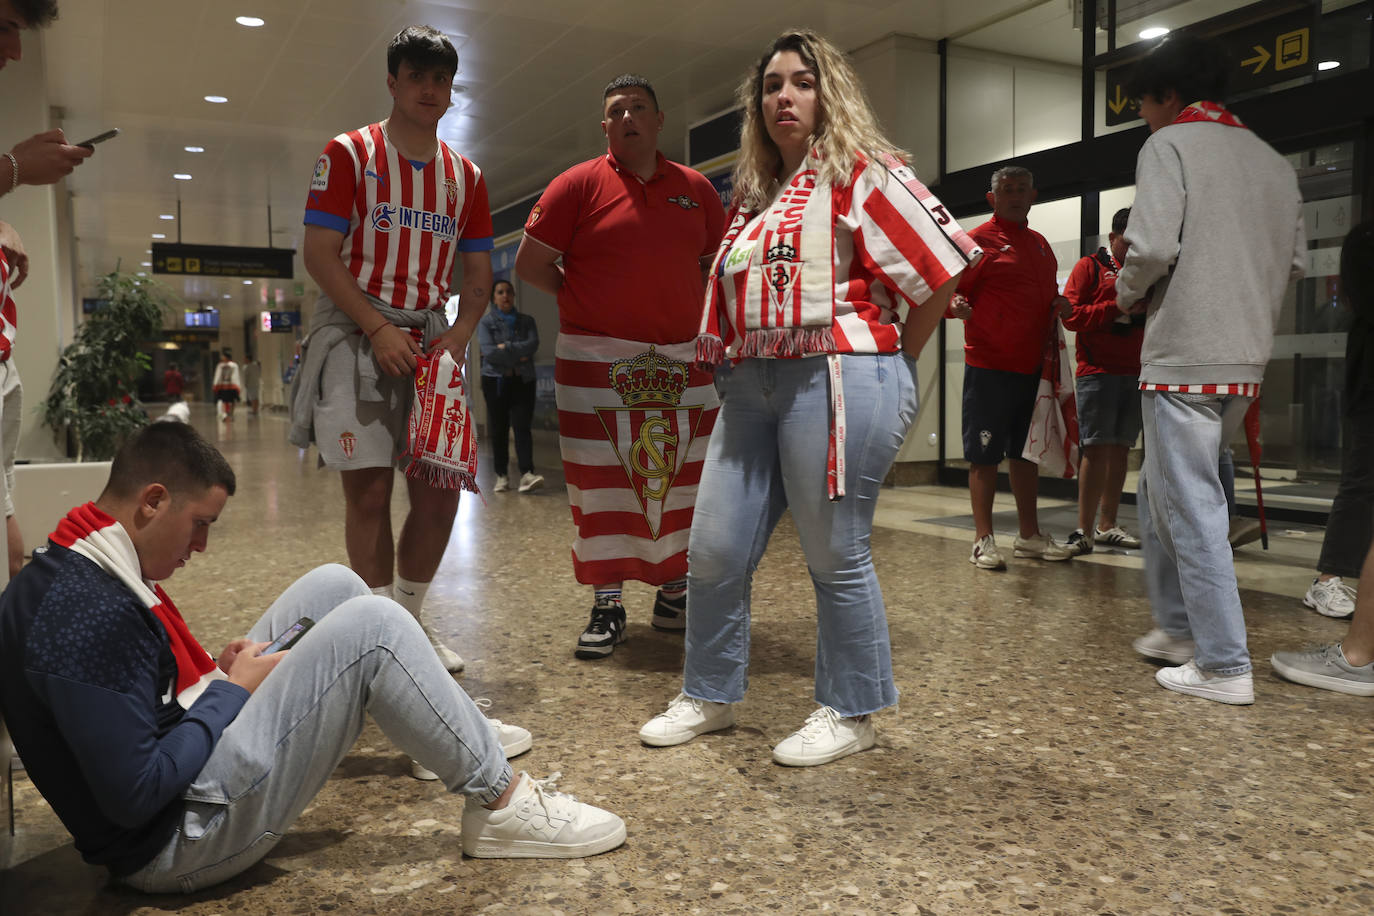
<point>290,637</point>
<point>99,138</point>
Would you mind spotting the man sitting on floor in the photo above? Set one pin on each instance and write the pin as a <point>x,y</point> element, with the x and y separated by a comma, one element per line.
<point>177,771</point>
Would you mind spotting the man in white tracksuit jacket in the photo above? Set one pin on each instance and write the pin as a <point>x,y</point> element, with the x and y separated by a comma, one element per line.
<point>1215,236</point>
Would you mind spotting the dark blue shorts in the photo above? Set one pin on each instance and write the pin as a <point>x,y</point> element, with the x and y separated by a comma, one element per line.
<point>997,413</point>
<point>1108,409</point>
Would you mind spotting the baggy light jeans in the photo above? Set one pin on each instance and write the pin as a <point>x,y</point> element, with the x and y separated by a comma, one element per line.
<point>364,654</point>
<point>1189,570</point>
<point>768,454</point>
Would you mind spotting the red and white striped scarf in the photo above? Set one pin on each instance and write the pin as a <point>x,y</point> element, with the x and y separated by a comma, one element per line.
<point>102,540</point>
<point>443,441</point>
<point>1208,113</point>
<point>8,313</point>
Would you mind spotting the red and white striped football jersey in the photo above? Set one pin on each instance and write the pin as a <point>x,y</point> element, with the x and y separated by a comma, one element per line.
<point>888,244</point>
<point>9,317</point>
<point>402,225</point>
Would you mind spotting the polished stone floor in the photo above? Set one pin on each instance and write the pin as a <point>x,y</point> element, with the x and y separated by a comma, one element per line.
<point>1033,764</point>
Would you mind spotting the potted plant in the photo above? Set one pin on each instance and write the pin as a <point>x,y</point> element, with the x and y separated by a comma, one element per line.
<point>93,395</point>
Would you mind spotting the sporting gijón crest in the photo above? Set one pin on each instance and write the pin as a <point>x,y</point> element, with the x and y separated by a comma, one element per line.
<point>654,431</point>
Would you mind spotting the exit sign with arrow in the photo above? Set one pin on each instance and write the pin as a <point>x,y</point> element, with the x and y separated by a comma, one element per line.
<point>1262,54</point>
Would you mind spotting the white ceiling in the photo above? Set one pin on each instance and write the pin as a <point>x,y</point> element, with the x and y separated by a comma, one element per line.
<point>530,71</point>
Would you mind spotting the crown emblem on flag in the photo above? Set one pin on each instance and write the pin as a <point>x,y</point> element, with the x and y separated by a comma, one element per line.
<point>781,252</point>
<point>649,377</point>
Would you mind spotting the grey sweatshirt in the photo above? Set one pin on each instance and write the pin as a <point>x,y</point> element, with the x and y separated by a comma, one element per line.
<point>1216,227</point>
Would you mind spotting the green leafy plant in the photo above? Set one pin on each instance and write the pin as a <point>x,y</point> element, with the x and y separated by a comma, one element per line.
<point>93,392</point>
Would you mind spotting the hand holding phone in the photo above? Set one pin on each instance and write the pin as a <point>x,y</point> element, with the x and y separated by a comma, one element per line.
<point>289,637</point>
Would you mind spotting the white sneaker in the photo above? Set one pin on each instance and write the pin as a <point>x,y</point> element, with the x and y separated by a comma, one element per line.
<point>453,662</point>
<point>826,736</point>
<point>685,718</point>
<point>1116,536</point>
<point>513,739</point>
<point>502,484</point>
<point>1159,645</point>
<point>1235,689</point>
<point>539,822</point>
<point>1332,598</point>
<point>985,555</point>
<point>531,481</point>
<point>1041,547</point>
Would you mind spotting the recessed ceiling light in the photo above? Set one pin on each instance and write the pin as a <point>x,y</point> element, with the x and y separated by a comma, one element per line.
<point>141,273</point>
<point>252,22</point>
<point>216,99</point>
<point>146,264</point>
<point>158,235</point>
<point>247,282</point>
<point>166,216</point>
<point>1153,32</point>
<point>1328,65</point>
<point>227,296</point>
<point>194,149</point>
<point>181,176</point>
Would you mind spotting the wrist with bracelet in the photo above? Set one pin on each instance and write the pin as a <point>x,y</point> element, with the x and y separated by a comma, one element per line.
<point>14,170</point>
<point>370,334</point>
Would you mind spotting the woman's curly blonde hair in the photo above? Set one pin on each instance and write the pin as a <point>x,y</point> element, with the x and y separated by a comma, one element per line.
<point>845,130</point>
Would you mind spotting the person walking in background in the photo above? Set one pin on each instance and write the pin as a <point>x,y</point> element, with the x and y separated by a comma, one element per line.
<point>227,384</point>
<point>1350,526</point>
<point>173,382</point>
<point>509,339</point>
<point>252,383</point>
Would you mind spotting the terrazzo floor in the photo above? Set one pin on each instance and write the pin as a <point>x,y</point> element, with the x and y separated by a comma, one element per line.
<point>1033,765</point>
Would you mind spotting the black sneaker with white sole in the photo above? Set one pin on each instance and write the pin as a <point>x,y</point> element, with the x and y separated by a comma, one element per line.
<point>670,614</point>
<point>604,632</point>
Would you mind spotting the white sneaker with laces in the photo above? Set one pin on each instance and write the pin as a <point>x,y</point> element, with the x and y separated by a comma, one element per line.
<point>1233,689</point>
<point>825,736</point>
<point>1041,547</point>
<point>539,822</point>
<point>502,484</point>
<point>685,718</point>
<point>985,554</point>
<point>513,739</point>
<point>1330,598</point>
<point>453,662</point>
<point>531,481</point>
<point>1116,536</point>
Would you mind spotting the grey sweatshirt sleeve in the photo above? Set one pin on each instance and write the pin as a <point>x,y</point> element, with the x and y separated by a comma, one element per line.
<point>1156,221</point>
<point>1299,250</point>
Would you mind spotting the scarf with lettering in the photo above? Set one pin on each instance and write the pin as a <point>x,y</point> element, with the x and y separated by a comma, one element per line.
<point>1208,113</point>
<point>102,540</point>
<point>443,441</point>
<point>9,318</point>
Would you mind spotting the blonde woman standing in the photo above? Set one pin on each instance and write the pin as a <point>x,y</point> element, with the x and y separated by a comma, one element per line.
<point>829,233</point>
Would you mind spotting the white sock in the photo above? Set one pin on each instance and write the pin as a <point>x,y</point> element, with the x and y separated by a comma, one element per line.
<point>410,595</point>
<point>383,590</point>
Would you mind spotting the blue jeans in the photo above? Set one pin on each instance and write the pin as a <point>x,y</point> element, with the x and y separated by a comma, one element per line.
<point>768,454</point>
<point>1189,570</point>
<point>364,654</point>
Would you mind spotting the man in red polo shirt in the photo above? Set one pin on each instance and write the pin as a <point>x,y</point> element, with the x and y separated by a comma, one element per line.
<point>1007,303</point>
<point>635,234</point>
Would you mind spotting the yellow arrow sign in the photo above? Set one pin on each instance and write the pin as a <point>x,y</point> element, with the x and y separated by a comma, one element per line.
<point>1119,102</point>
<point>1260,59</point>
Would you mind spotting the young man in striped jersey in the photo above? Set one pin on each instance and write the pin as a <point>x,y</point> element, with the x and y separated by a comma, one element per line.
<point>391,208</point>
<point>1211,295</point>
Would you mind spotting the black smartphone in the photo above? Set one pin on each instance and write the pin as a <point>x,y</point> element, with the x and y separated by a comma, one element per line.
<point>99,138</point>
<point>290,637</point>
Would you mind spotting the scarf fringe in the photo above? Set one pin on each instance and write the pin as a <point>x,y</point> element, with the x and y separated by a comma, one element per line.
<point>441,478</point>
<point>710,351</point>
<point>785,342</point>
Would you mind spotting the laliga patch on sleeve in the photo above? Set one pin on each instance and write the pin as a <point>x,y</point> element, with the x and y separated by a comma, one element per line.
<point>320,180</point>
<point>537,212</point>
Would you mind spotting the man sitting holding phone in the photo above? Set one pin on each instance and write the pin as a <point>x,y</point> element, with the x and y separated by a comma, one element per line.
<point>175,770</point>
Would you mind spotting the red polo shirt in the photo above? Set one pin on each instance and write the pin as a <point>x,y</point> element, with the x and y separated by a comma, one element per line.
<point>1012,290</point>
<point>631,249</point>
<point>1104,344</point>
